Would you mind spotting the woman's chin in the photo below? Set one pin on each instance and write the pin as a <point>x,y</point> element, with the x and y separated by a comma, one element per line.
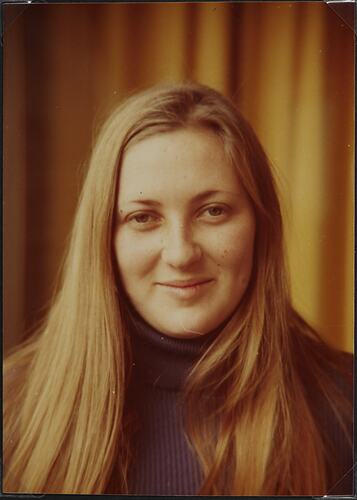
<point>185,329</point>
<point>185,334</point>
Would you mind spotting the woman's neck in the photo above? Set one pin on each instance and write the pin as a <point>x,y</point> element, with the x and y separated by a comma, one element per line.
<point>161,360</point>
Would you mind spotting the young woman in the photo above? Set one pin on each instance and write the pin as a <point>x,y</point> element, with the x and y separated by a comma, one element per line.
<point>172,361</point>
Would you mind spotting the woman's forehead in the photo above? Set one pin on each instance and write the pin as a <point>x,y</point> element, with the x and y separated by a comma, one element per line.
<point>190,161</point>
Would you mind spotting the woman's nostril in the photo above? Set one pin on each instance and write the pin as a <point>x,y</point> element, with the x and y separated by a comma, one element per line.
<point>180,252</point>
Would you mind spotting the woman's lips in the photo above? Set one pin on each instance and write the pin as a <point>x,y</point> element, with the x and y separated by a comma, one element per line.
<point>185,289</point>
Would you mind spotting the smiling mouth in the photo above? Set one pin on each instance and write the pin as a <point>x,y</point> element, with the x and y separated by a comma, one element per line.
<point>184,283</point>
<point>185,289</point>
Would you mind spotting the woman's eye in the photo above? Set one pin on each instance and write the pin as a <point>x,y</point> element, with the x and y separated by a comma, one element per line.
<point>214,211</point>
<point>143,219</point>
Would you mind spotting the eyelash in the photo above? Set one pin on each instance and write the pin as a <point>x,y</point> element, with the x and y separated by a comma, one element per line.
<point>151,219</point>
<point>223,210</point>
<point>135,217</point>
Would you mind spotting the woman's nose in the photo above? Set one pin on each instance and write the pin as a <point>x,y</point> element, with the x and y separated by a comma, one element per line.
<point>179,248</point>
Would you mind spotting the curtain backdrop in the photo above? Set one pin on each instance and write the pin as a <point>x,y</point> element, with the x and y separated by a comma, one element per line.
<point>288,66</point>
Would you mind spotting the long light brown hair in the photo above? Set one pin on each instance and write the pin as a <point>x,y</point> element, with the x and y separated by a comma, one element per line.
<point>254,431</point>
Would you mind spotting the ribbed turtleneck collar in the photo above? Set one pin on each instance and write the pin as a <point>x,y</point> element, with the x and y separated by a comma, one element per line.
<point>164,361</point>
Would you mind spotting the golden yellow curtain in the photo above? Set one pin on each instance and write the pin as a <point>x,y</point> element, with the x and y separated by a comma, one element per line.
<point>289,67</point>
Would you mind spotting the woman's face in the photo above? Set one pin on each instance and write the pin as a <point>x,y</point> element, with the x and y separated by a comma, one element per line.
<point>185,229</point>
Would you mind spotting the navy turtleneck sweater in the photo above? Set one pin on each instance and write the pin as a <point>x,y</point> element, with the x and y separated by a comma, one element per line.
<point>163,461</point>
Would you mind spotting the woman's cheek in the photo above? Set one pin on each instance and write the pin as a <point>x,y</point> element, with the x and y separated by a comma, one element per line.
<point>234,244</point>
<point>135,253</point>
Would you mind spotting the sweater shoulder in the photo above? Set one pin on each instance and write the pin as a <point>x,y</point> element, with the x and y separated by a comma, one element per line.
<point>329,389</point>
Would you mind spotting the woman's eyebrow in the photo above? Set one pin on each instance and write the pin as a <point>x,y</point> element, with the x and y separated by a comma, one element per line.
<point>142,201</point>
<point>212,192</point>
<point>197,198</point>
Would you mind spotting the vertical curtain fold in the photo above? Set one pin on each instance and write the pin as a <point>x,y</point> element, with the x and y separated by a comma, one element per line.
<point>14,180</point>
